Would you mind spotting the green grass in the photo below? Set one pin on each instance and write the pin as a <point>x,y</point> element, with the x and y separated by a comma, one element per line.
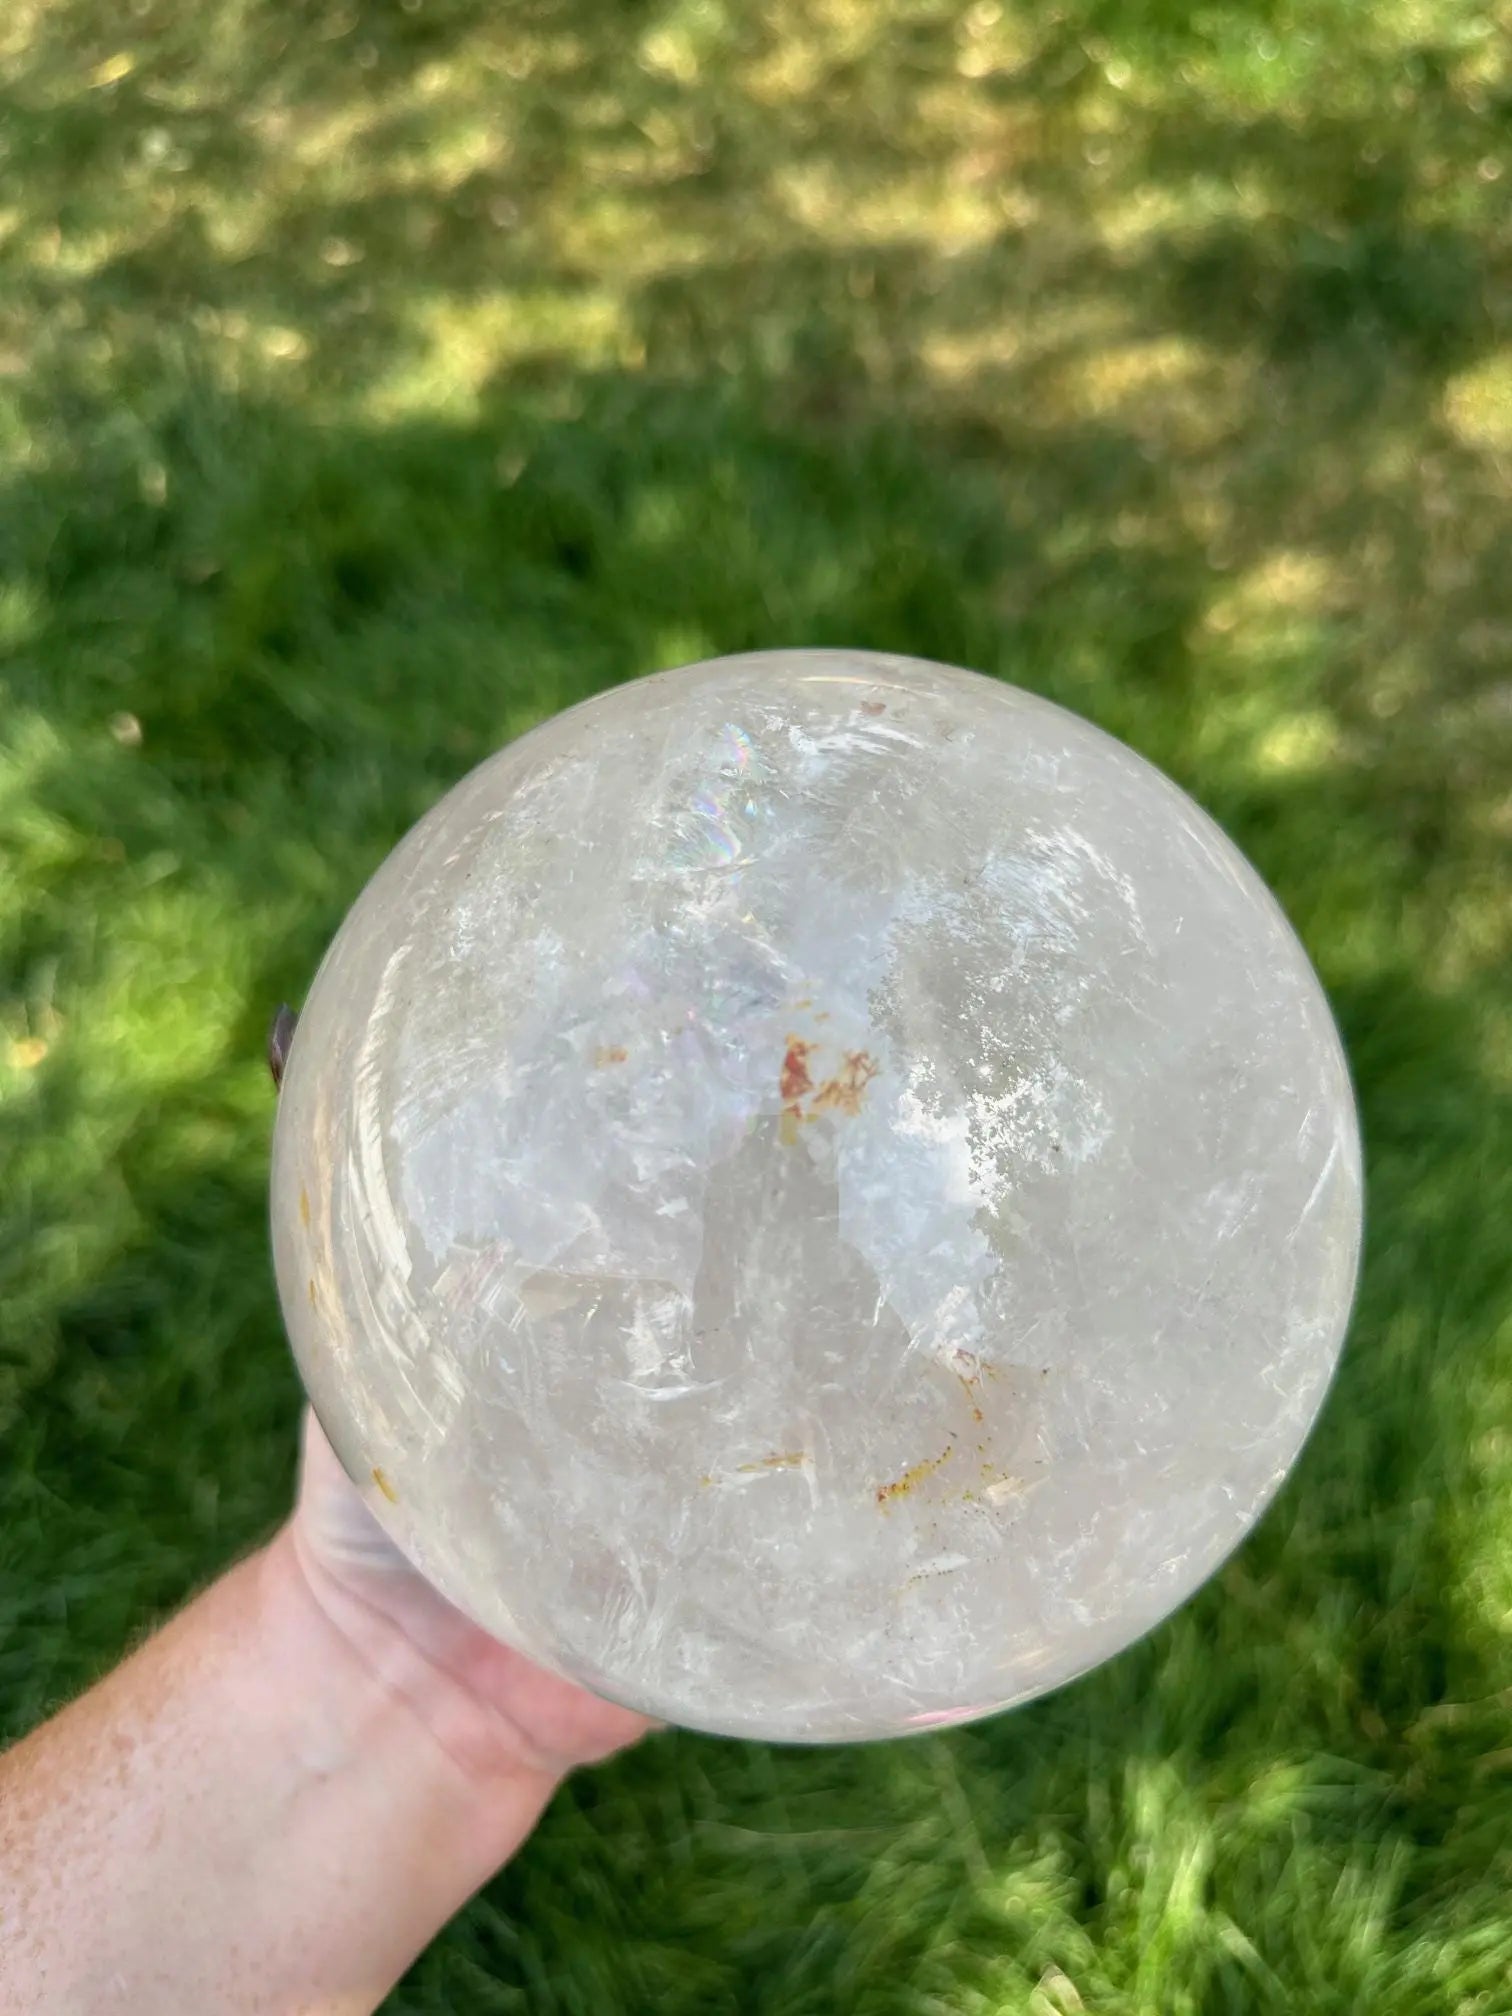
<point>377,376</point>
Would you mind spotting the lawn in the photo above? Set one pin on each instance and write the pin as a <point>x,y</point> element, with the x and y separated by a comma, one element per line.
<point>377,376</point>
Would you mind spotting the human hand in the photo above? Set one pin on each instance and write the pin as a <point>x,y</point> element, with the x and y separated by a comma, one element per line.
<point>283,1794</point>
<point>492,1709</point>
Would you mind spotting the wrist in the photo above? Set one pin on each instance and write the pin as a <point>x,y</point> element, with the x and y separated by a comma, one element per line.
<point>267,1811</point>
<point>376,1668</point>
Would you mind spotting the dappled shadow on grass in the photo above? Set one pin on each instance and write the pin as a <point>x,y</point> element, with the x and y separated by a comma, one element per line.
<point>393,600</point>
<point>339,473</point>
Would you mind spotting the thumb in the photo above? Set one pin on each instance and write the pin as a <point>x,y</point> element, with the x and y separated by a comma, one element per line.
<point>333,1523</point>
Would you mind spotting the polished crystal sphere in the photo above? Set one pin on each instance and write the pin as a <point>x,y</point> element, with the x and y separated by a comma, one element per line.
<point>816,1194</point>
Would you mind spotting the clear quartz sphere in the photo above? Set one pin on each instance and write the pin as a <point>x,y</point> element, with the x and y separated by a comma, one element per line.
<point>817,1195</point>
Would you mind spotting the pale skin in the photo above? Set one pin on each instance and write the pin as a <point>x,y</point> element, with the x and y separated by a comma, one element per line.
<point>276,1803</point>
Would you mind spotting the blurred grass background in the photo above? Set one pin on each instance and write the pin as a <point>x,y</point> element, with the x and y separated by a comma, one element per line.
<point>377,376</point>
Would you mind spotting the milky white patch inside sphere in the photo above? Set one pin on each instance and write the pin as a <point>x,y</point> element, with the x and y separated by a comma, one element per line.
<point>817,1194</point>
